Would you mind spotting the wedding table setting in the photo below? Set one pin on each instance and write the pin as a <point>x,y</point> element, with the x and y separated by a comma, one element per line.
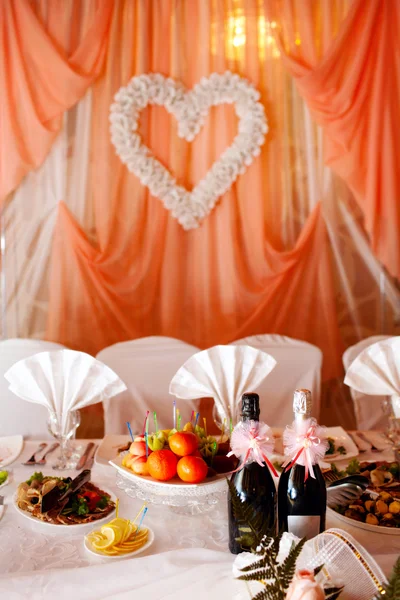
<point>93,548</point>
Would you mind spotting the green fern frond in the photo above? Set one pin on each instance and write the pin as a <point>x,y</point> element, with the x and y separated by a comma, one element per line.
<point>318,570</point>
<point>286,570</point>
<point>392,590</point>
<point>260,575</point>
<point>332,593</point>
<point>246,515</point>
<point>259,564</point>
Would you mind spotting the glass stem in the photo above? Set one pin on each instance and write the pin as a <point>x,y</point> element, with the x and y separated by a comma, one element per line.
<point>63,451</point>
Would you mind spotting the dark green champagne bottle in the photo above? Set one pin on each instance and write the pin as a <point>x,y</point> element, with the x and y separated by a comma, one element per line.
<point>302,504</point>
<point>253,483</point>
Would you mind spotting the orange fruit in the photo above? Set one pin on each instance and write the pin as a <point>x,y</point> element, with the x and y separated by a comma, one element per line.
<point>183,443</point>
<point>192,469</point>
<point>162,464</point>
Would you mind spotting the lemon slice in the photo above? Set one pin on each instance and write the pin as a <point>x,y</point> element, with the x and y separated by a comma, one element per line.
<point>107,541</point>
<point>113,533</point>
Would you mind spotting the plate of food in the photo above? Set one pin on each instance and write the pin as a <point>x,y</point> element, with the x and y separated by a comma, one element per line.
<point>379,513</point>
<point>384,476</point>
<point>10,448</point>
<point>120,538</point>
<point>62,502</point>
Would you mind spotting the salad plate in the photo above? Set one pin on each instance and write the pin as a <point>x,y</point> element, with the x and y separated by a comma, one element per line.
<point>150,539</point>
<point>10,448</point>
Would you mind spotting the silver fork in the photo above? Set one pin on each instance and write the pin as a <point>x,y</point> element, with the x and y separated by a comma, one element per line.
<point>42,461</point>
<point>32,460</point>
<point>1,506</point>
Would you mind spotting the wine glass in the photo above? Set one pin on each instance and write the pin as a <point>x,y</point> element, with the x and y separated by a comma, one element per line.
<point>64,430</point>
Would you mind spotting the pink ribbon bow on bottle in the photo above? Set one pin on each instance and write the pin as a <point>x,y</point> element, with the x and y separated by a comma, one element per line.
<point>305,444</point>
<point>251,441</point>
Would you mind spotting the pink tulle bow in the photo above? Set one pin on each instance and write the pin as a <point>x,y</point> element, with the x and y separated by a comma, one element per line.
<point>251,441</point>
<point>305,444</point>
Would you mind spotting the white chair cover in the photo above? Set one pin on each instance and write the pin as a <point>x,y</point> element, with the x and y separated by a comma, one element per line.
<point>146,366</point>
<point>298,366</point>
<point>367,409</point>
<point>16,415</point>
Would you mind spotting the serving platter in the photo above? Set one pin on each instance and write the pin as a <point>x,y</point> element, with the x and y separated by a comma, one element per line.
<point>60,526</point>
<point>175,484</point>
<point>393,531</point>
<point>150,539</point>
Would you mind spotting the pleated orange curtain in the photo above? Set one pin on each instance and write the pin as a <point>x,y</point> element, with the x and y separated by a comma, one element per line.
<point>51,52</point>
<point>144,275</point>
<point>352,86</point>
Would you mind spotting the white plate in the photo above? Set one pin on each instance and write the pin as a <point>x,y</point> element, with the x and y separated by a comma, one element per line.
<point>10,448</point>
<point>174,482</point>
<point>61,527</point>
<point>108,448</point>
<point>336,433</point>
<point>150,540</point>
<point>366,526</point>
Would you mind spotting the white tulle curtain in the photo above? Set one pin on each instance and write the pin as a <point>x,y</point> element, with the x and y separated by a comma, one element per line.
<point>28,224</point>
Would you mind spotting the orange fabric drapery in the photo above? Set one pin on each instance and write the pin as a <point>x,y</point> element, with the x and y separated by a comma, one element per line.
<point>46,65</point>
<point>352,86</point>
<point>145,275</point>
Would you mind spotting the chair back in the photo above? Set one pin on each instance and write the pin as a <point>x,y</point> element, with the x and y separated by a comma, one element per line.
<point>146,366</point>
<point>18,416</point>
<point>298,366</point>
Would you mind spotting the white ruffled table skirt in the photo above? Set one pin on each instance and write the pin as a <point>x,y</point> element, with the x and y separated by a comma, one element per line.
<point>188,559</point>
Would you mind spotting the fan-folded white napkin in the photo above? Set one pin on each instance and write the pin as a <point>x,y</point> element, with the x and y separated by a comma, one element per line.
<point>376,371</point>
<point>63,380</point>
<point>223,373</point>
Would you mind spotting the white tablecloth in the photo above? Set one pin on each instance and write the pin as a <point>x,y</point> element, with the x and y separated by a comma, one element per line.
<point>189,557</point>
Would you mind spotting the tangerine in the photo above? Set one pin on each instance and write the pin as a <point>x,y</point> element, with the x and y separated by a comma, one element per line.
<point>162,464</point>
<point>192,469</point>
<point>183,443</point>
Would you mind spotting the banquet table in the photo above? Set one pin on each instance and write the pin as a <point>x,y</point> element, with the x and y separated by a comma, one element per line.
<point>189,556</point>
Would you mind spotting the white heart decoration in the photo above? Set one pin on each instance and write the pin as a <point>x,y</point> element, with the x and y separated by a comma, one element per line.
<point>190,108</point>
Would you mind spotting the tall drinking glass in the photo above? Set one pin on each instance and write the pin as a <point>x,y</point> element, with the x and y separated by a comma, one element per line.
<point>64,432</point>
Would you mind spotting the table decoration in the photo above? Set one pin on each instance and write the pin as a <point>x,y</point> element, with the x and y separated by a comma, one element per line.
<point>223,373</point>
<point>63,381</point>
<point>190,108</point>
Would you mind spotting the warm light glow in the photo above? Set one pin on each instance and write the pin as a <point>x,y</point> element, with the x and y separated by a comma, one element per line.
<point>235,37</point>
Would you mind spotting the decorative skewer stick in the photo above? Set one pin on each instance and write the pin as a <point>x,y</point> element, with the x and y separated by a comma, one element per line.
<point>174,414</point>
<point>155,421</point>
<point>146,437</point>
<point>141,508</point>
<point>178,412</point>
<point>129,429</point>
<point>141,521</point>
<point>197,418</point>
<point>230,427</point>
<point>145,421</point>
<point>205,426</point>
